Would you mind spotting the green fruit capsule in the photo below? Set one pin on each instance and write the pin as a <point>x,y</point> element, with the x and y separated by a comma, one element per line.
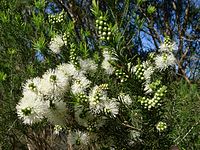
<point>100,27</point>
<point>101,17</point>
<point>109,33</point>
<point>104,33</point>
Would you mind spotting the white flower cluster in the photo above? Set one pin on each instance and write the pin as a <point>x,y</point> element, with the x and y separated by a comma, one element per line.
<point>109,69</point>
<point>100,102</point>
<point>144,72</point>
<point>166,57</point>
<point>125,99</point>
<point>148,71</point>
<point>164,60</point>
<point>88,65</point>
<point>159,62</point>
<point>56,44</point>
<point>44,97</point>
<point>78,138</point>
<point>80,83</point>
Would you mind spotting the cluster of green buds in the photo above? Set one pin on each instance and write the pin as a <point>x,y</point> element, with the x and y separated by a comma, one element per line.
<point>169,45</point>
<point>154,85</point>
<point>53,78</point>
<point>32,87</point>
<point>154,102</point>
<point>103,29</point>
<point>99,92</point>
<point>151,56</point>
<point>160,93</point>
<point>58,18</point>
<point>81,97</point>
<point>164,56</point>
<point>66,38</point>
<point>139,71</point>
<point>27,111</point>
<point>121,75</point>
<point>73,55</point>
<point>103,87</point>
<point>148,103</point>
<point>91,126</point>
<point>167,41</point>
<point>161,126</point>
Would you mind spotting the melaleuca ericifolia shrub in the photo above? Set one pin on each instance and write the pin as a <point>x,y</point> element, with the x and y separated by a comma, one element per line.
<point>94,99</point>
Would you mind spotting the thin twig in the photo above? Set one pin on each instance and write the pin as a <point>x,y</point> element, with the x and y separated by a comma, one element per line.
<point>129,126</point>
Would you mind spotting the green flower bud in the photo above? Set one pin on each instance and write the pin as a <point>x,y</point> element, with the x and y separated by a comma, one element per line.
<point>104,33</point>
<point>103,38</point>
<point>101,22</point>
<point>105,29</point>
<point>97,21</point>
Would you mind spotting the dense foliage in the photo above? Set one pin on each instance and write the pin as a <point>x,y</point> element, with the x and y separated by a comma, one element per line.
<point>99,74</point>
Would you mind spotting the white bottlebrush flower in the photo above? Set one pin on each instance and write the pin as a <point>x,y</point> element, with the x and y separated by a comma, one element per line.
<point>147,88</point>
<point>32,85</point>
<point>85,118</point>
<point>87,65</point>
<point>96,97</point>
<point>164,61</point>
<point>53,83</point>
<point>148,72</point>
<point>56,114</point>
<point>111,107</point>
<point>78,138</point>
<point>168,47</point>
<point>146,64</point>
<point>31,108</point>
<point>96,107</point>
<point>68,69</point>
<point>133,69</point>
<point>109,69</point>
<point>56,43</point>
<point>80,84</point>
<point>107,55</point>
<point>125,98</point>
